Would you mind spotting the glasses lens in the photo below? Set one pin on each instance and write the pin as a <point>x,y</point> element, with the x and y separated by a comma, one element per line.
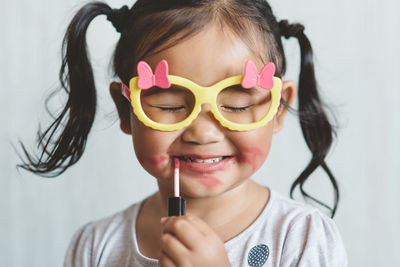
<point>243,106</point>
<point>167,106</point>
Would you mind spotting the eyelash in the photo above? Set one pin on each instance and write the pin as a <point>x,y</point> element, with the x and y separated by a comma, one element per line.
<point>240,109</point>
<point>170,109</point>
<point>232,109</point>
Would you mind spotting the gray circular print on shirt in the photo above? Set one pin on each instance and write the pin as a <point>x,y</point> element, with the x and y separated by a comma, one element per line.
<point>258,255</point>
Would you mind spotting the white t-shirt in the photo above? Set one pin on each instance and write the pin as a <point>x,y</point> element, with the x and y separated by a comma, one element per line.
<point>287,233</point>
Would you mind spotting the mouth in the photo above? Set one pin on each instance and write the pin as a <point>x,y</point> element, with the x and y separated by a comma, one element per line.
<point>205,164</point>
<point>203,159</point>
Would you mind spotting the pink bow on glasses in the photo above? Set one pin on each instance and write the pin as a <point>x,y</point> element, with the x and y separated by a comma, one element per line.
<point>264,80</point>
<point>146,78</point>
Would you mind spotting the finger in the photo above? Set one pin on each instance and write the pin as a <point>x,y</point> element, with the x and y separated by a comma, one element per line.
<point>201,225</point>
<point>184,231</point>
<point>173,248</point>
<point>166,261</point>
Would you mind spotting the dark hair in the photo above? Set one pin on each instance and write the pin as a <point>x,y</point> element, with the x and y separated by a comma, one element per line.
<point>151,26</point>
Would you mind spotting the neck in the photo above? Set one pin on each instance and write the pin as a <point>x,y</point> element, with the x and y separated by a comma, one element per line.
<point>217,210</point>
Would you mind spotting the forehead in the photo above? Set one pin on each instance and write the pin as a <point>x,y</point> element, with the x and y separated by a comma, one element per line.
<point>207,57</point>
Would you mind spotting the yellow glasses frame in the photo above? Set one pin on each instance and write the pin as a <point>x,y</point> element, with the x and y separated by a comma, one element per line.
<point>204,95</point>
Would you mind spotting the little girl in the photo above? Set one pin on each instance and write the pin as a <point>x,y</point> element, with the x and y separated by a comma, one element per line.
<point>200,88</point>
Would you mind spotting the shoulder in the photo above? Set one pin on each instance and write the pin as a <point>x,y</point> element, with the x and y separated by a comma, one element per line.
<point>294,213</point>
<point>310,237</point>
<point>95,241</point>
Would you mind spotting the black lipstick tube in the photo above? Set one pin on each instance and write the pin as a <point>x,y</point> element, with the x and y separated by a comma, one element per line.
<point>176,206</point>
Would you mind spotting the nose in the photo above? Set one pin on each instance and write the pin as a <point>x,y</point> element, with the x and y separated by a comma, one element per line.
<point>205,129</point>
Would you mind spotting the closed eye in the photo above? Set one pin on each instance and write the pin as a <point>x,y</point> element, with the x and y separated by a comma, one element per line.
<point>236,109</point>
<point>169,108</point>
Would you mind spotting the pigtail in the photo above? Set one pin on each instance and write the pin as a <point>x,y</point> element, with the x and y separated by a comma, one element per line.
<point>63,142</point>
<point>317,130</point>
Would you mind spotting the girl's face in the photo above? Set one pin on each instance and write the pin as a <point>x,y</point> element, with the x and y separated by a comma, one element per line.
<point>206,58</point>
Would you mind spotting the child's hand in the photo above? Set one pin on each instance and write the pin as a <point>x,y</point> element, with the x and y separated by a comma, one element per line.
<point>187,241</point>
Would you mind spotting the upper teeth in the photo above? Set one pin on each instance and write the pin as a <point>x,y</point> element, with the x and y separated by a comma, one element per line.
<point>202,160</point>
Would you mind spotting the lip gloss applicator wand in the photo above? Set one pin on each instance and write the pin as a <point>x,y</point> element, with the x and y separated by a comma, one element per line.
<point>176,204</point>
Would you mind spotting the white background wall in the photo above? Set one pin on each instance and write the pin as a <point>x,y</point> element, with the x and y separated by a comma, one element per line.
<point>358,65</point>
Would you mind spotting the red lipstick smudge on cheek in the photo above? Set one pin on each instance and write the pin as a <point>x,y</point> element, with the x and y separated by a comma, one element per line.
<point>154,161</point>
<point>158,160</point>
<point>250,156</point>
<point>209,181</point>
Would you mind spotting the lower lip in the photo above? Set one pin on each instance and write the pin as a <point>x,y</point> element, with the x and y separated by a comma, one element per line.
<point>206,167</point>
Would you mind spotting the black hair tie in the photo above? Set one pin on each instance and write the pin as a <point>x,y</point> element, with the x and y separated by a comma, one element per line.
<point>118,17</point>
<point>290,30</point>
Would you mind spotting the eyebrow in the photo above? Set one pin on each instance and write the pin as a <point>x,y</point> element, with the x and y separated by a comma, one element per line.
<point>177,89</point>
<point>250,91</point>
<point>156,90</point>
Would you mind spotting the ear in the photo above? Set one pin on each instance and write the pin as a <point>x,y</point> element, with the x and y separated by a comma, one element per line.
<point>123,107</point>
<point>289,91</point>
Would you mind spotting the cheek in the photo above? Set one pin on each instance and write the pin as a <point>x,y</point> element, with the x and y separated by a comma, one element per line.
<point>254,149</point>
<point>151,148</point>
<point>252,156</point>
<point>155,163</point>
<point>154,159</point>
<point>152,155</point>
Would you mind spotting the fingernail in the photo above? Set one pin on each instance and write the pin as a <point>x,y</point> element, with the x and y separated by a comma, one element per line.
<point>163,220</point>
